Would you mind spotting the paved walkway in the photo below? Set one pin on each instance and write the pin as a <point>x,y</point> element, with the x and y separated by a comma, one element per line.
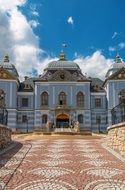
<point>61,165</point>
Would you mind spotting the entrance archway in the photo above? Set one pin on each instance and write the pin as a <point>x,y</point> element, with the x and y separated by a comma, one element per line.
<point>62,121</point>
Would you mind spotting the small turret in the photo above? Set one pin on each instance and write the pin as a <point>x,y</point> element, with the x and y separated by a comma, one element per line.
<point>118,64</point>
<point>6,59</point>
<point>118,59</point>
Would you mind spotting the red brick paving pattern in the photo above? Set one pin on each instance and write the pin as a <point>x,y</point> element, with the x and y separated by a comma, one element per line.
<point>61,165</point>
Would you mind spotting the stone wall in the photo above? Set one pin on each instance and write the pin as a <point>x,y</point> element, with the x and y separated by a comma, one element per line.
<point>116,137</point>
<point>5,136</point>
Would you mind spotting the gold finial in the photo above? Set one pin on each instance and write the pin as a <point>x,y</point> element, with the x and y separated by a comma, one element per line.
<point>62,56</point>
<point>6,59</point>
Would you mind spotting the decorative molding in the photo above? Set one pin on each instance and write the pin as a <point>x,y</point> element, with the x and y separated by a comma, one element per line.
<point>98,93</point>
<point>25,110</point>
<point>114,80</point>
<point>25,93</point>
<point>9,109</point>
<point>4,74</point>
<point>47,83</point>
<point>62,75</point>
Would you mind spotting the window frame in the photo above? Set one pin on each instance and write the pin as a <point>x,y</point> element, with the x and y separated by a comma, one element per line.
<point>80,99</point>
<point>98,103</point>
<point>62,98</point>
<point>44,99</point>
<point>23,103</point>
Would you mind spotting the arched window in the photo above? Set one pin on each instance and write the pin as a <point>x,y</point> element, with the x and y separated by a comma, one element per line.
<point>62,98</point>
<point>80,118</point>
<point>44,119</point>
<point>44,99</point>
<point>80,99</point>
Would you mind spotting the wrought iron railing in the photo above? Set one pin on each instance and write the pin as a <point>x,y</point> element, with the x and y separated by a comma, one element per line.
<point>118,113</point>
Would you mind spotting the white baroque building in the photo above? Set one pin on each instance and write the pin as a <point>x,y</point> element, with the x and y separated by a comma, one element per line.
<point>61,96</point>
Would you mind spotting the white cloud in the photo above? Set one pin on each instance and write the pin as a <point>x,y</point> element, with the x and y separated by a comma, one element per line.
<point>33,23</point>
<point>114,35</point>
<point>70,20</point>
<point>45,63</point>
<point>76,54</point>
<point>118,47</point>
<point>95,65</point>
<point>33,8</point>
<point>18,39</point>
<point>35,13</point>
<point>7,5</point>
<point>112,49</point>
<point>121,45</point>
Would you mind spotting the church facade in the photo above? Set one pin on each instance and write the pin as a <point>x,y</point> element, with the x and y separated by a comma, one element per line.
<point>61,95</point>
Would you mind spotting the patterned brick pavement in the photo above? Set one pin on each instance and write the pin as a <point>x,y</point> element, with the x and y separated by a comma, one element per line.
<point>61,165</point>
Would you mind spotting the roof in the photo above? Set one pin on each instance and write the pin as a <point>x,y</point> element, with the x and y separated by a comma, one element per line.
<point>97,85</point>
<point>118,64</point>
<point>27,85</point>
<point>62,63</point>
<point>70,65</point>
<point>112,77</point>
<point>9,67</point>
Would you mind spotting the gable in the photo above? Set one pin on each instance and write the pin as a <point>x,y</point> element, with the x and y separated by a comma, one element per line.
<point>63,76</point>
<point>119,75</point>
<point>4,74</point>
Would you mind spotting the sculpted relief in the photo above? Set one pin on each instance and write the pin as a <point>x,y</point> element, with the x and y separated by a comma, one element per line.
<point>63,75</point>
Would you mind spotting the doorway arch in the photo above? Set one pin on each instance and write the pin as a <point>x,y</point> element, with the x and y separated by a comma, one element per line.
<point>62,121</point>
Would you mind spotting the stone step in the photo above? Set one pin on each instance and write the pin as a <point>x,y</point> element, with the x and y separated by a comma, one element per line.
<point>64,131</point>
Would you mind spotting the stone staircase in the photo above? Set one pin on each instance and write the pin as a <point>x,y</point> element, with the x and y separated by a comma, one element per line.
<point>69,131</point>
<point>64,131</point>
<point>58,130</point>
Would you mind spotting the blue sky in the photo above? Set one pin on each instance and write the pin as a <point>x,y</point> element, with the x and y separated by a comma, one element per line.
<point>94,24</point>
<point>94,31</point>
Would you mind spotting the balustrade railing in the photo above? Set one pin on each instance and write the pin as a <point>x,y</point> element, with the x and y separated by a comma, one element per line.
<point>118,113</point>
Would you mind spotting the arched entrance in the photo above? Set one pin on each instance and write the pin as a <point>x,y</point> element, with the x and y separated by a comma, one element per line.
<point>62,121</point>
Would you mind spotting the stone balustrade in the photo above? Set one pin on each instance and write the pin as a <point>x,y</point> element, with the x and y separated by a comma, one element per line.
<point>116,137</point>
<point>5,136</point>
